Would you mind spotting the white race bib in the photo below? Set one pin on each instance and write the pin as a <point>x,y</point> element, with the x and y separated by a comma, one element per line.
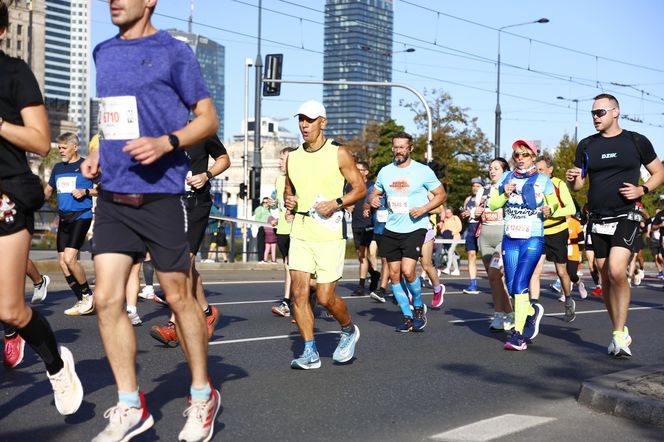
<point>605,229</point>
<point>331,222</point>
<point>187,187</point>
<point>381,215</point>
<point>518,228</point>
<point>118,118</point>
<point>66,184</point>
<point>398,204</point>
<point>496,262</point>
<point>570,250</point>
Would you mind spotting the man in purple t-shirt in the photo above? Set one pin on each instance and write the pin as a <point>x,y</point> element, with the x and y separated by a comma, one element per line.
<point>147,82</point>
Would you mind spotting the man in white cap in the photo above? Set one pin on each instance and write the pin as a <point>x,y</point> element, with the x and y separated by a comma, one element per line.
<point>314,193</point>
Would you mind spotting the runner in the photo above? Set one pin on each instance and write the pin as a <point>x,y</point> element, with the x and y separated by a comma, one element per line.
<point>379,216</point>
<point>24,128</point>
<point>654,243</point>
<point>469,212</point>
<point>314,192</point>
<point>405,183</point>
<point>75,194</point>
<point>426,259</point>
<point>198,203</point>
<point>490,241</point>
<point>148,82</point>
<point>574,254</point>
<point>450,228</point>
<point>527,197</point>
<point>612,160</point>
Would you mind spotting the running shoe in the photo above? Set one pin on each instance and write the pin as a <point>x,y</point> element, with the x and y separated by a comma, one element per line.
<point>346,347</point>
<point>378,295</point>
<point>147,292</point>
<point>570,309</point>
<point>74,310</point>
<point>419,319</point>
<point>497,322</point>
<point>67,388</point>
<point>638,277</point>
<point>556,286</point>
<point>561,298</point>
<point>40,290</point>
<point>582,290</point>
<point>161,300</point>
<point>660,275</point>
<point>516,342</point>
<point>619,346</point>
<point>455,272</point>
<point>87,305</point>
<point>134,318</point>
<point>597,291</point>
<point>166,334</point>
<point>375,280</point>
<point>407,325</point>
<point>508,321</point>
<point>200,419</point>
<point>471,289</point>
<point>531,329</point>
<point>14,350</point>
<point>358,292</point>
<point>125,422</point>
<point>211,320</point>
<point>438,295</point>
<point>424,278</point>
<point>308,360</point>
<point>282,309</point>
<point>446,271</point>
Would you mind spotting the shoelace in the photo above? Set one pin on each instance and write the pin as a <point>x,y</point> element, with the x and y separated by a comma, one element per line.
<point>196,407</point>
<point>116,414</point>
<point>59,381</point>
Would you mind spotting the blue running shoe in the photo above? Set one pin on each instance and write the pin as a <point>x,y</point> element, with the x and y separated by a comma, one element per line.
<point>346,347</point>
<point>516,342</point>
<point>407,325</point>
<point>471,289</point>
<point>419,319</point>
<point>308,359</point>
<point>531,329</point>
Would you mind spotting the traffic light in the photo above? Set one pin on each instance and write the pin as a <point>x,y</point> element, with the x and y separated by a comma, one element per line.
<point>243,191</point>
<point>272,72</point>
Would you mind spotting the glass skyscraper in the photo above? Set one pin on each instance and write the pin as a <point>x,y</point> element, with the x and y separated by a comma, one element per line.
<point>358,47</point>
<point>211,57</point>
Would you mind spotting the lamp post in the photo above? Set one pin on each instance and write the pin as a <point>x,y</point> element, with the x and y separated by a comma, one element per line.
<point>248,62</point>
<point>576,114</point>
<point>500,30</point>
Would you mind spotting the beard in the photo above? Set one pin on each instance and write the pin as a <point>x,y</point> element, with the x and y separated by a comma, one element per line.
<point>402,160</point>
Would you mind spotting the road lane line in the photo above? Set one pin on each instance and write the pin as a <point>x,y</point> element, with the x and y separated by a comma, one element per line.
<point>272,301</point>
<point>268,338</point>
<point>492,428</point>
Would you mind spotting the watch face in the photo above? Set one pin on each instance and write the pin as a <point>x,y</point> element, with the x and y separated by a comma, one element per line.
<point>174,140</point>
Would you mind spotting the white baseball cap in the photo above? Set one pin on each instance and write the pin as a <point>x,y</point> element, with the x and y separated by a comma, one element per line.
<point>312,109</point>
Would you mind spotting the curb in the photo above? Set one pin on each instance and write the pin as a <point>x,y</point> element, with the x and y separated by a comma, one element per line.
<point>604,395</point>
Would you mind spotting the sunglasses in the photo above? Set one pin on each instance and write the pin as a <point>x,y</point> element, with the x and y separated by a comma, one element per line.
<point>599,113</point>
<point>522,154</point>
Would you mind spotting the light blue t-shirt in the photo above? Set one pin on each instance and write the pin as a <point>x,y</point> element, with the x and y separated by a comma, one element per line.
<point>406,188</point>
<point>520,221</point>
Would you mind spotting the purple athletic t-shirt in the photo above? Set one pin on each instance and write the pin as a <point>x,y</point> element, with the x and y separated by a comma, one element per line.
<point>163,75</point>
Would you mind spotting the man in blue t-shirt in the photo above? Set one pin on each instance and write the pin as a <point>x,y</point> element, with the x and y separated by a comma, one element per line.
<point>406,184</point>
<point>148,82</point>
<point>75,194</point>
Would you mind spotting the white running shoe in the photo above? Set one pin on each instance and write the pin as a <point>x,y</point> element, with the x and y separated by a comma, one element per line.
<point>87,305</point>
<point>74,310</point>
<point>147,292</point>
<point>582,290</point>
<point>497,322</point>
<point>446,271</point>
<point>41,290</point>
<point>619,348</point>
<point>455,272</point>
<point>134,318</point>
<point>67,388</point>
<point>508,321</point>
<point>125,422</point>
<point>200,419</point>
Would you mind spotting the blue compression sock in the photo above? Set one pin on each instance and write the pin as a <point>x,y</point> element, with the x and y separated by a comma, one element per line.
<point>415,289</point>
<point>402,299</point>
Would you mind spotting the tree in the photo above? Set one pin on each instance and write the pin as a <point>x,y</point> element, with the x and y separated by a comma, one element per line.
<point>563,159</point>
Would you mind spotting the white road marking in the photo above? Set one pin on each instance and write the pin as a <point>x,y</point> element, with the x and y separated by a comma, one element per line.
<point>268,338</point>
<point>493,428</point>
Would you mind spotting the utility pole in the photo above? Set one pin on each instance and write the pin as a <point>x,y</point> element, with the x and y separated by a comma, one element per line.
<point>256,169</point>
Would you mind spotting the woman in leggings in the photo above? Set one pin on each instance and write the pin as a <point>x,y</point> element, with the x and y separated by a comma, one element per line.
<point>527,197</point>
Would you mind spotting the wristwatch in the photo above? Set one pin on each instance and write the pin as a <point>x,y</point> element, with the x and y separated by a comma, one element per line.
<point>87,192</point>
<point>339,202</point>
<point>208,174</point>
<point>643,186</point>
<point>174,140</point>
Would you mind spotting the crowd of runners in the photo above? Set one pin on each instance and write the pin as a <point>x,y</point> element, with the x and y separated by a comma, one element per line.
<point>152,168</point>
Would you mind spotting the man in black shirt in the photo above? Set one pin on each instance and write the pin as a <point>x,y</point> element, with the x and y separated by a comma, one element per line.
<point>362,224</point>
<point>612,159</point>
<point>198,202</point>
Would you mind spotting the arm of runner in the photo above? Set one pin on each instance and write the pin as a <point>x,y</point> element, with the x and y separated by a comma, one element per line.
<point>566,198</point>
<point>34,136</point>
<point>221,163</point>
<point>496,200</point>
<point>290,200</point>
<point>550,204</point>
<point>90,166</point>
<point>48,191</point>
<point>438,199</point>
<point>656,170</point>
<point>353,176</point>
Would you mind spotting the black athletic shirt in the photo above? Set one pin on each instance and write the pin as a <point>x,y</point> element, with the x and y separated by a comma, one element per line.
<point>198,156</point>
<point>359,222</point>
<point>612,161</point>
<point>18,90</point>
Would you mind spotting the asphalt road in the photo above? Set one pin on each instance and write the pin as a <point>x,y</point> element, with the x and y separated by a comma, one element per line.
<point>451,382</point>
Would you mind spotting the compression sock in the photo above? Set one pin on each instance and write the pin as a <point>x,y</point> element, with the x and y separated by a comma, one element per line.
<point>402,299</point>
<point>595,275</point>
<point>415,289</point>
<point>363,282</point>
<point>74,286</point>
<point>148,272</point>
<point>522,309</point>
<point>39,336</point>
<point>85,288</point>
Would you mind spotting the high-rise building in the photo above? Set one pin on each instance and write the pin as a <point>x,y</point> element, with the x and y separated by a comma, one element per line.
<point>67,55</point>
<point>358,47</point>
<point>25,36</point>
<point>211,56</point>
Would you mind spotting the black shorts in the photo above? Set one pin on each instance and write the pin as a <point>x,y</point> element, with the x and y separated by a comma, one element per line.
<point>362,237</point>
<point>471,239</point>
<point>283,242</point>
<point>71,234</point>
<point>555,247</point>
<point>654,248</point>
<point>15,222</point>
<point>395,246</point>
<point>198,214</point>
<point>624,236</point>
<point>638,243</point>
<point>158,225</point>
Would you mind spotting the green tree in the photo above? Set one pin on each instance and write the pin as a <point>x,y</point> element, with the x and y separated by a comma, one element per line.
<point>563,159</point>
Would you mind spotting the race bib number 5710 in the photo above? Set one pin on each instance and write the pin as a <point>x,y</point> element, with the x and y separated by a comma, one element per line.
<point>118,118</point>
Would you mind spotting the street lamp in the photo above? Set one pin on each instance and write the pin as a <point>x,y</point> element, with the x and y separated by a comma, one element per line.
<point>370,49</point>
<point>576,118</point>
<point>500,30</point>
<point>248,62</point>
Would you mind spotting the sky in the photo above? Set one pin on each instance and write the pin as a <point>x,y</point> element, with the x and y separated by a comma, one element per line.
<point>586,48</point>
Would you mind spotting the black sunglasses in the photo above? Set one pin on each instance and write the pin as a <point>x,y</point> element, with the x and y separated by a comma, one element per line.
<point>599,113</point>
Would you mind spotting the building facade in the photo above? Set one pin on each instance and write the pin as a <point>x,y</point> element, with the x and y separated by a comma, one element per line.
<point>357,47</point>
<point>211,56</point>
<point>25,36</point>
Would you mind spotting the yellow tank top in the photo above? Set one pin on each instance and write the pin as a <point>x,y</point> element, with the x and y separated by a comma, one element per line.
<point>283,227</point>
<point>316,177</point>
